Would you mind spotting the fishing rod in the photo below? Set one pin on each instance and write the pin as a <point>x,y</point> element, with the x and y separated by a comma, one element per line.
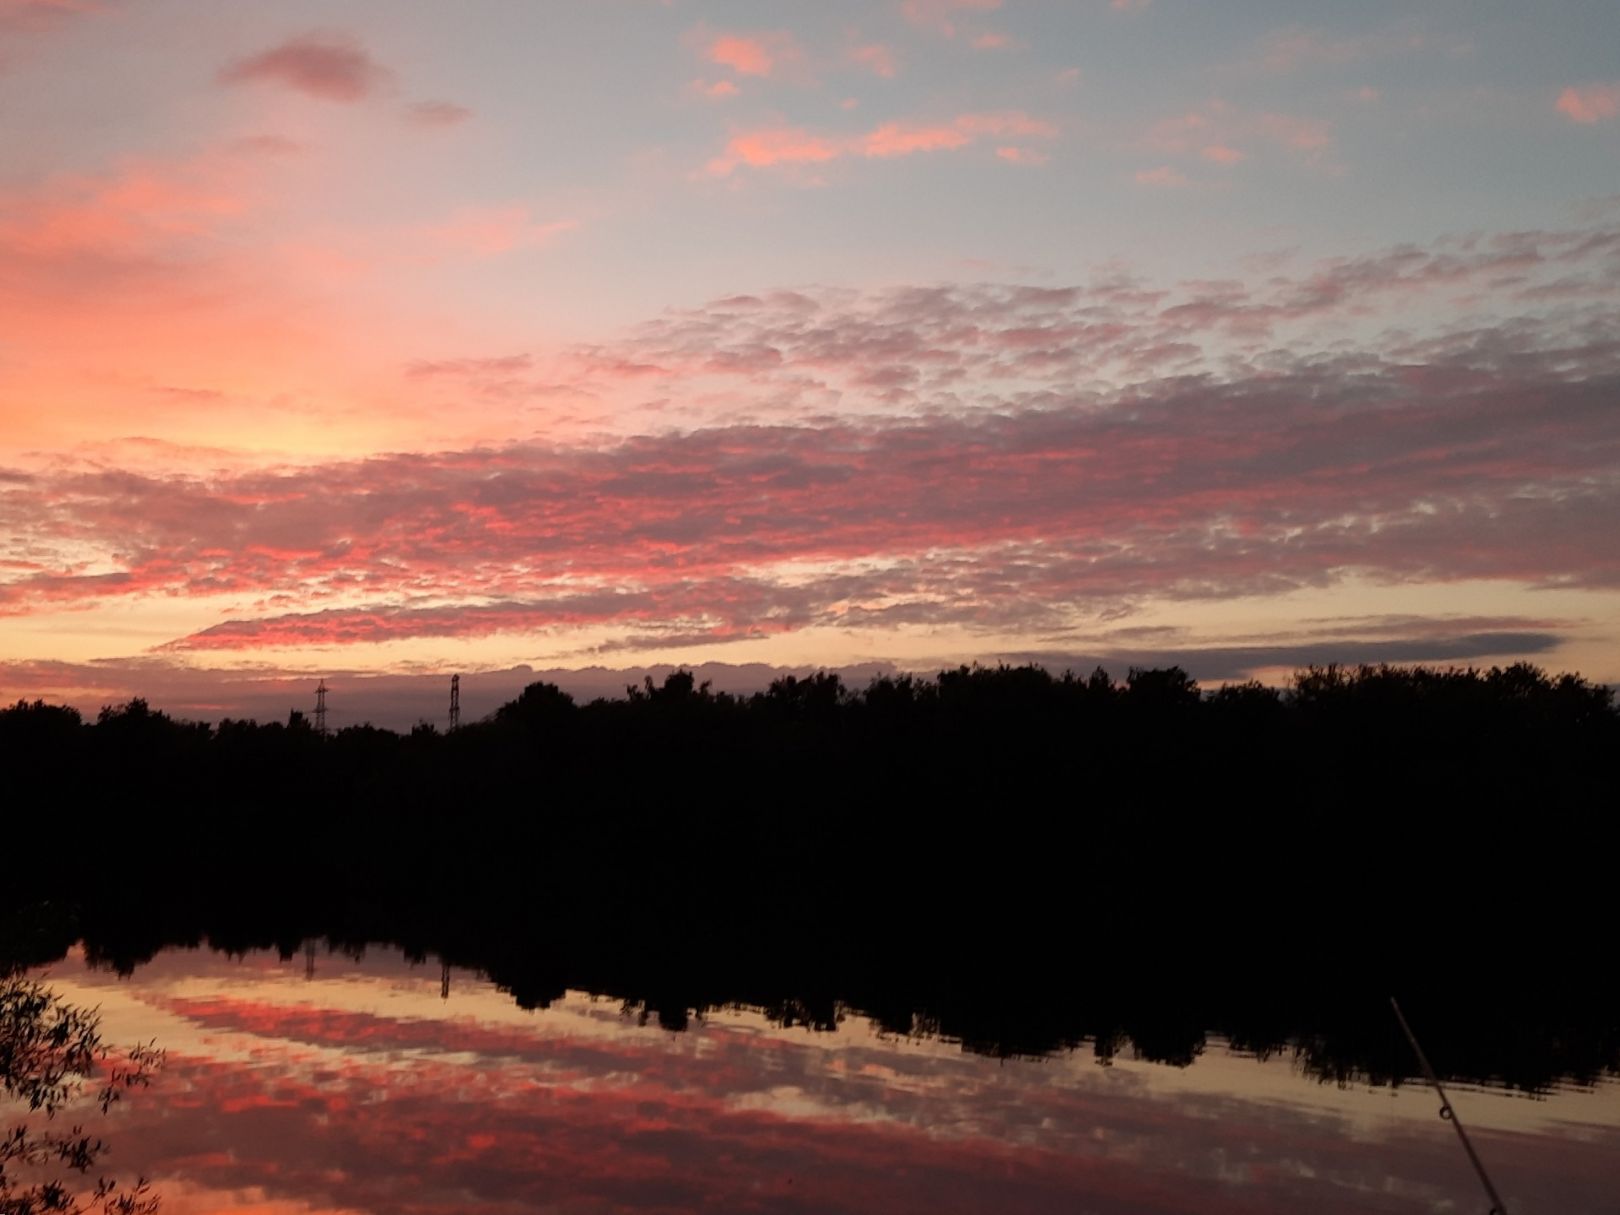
<point>1498,1207</point>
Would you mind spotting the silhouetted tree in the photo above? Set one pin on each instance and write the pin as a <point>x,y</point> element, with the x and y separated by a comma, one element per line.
<point>48,1050</point>
<point>539,706</point>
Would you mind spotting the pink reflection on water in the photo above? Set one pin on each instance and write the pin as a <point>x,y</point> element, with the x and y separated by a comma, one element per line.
<point>363,1091</point>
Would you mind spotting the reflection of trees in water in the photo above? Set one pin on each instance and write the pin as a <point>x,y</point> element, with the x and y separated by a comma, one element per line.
<point>50,1052</point>
<point>1026,861</point>
<point>1000,994</point>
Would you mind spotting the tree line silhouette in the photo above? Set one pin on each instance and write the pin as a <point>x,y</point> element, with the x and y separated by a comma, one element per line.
<point>1000,851</point>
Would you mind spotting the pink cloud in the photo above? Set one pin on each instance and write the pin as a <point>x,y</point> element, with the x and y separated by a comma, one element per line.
<point>1288,50</point>
<point>32,16</point>
<point>991,42</point>
<point>795,146</point>
<point>1215,130</point>
<point>331,66</point>
<point>1128,6</point>
<point>1164,175</point>
<point>898,139</point>
<point>488,231</point>
<point>775,146</point>
<point>875,58</point>
<point>1180,132</point>
<point>1179,488</point>
<point>752,55</point>
<point>1301,134</point>
<point>1590,104</point>
<point>1022,156</point>
<point>1182,485</point>
<point>1484,452</point>
<point>720,90</point>
<point>437,114</point>
<point>506,364</point>
<point>1005,123</point>
<point>140,207</point>
<point>1294,48</point>
<point>940,15</point>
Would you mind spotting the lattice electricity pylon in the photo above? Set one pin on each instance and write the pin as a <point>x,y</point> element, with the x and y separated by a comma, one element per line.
<point>455,701</point>
<point>320,709</point>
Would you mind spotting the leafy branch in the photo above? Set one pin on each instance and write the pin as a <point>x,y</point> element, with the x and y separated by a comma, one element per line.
<point>49,1051</point>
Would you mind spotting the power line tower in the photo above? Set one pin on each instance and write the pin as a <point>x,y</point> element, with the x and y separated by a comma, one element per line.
<point>320,709</point>
<point>455,701</point>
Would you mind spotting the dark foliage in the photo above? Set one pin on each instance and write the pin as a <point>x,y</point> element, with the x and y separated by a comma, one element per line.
<point>48,1051</point>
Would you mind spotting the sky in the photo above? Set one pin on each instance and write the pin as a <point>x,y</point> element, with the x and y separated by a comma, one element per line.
<point>378,341</point>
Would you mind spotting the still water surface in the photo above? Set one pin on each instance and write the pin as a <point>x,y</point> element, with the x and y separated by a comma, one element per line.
<point>366,1086</point>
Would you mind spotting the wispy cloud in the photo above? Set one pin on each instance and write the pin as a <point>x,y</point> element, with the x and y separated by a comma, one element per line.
<point>487,231</point>
<point>941,16</point>
<point>1592,103</point>
<point>716,90</point>
<point>1221,133</point>
<point>876,58</point>
<point>1297,48</point>
<point>797,146</point>
<point>329,65</point>
<point>34,16</point>
<point>437,114</point>
<point>753,54</point>
<point>1013,154</point>
<point>1164,175</point>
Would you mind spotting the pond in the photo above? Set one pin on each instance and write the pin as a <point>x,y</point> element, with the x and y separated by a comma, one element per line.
<point>329,1082</point>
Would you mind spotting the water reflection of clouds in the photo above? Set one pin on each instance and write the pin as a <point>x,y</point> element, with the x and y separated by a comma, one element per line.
<point>372,1094</point>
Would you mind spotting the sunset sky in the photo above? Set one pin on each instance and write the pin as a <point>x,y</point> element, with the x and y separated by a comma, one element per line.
<point>375,341</point>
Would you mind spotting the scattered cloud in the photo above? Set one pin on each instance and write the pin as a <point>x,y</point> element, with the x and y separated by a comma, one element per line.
<point>899,139</point>
<point>35,16</point>
<point>1218,131</point>
<point>940,16</point>
<point>437,114</point>
<point>1022,156</point>
<point>328,65</point>
<point>139,211</point>
<point>506,364</point>
<point>719,90</point>
<point>876,58</point>
<point>1119,447</point>
<point>775,146</point>
<point>1164,175</point>
<point>797,146</point>
<point>753,55</point>
<point>1005,123</point>
<point>1300,134</point>
<point>489,231</point>
<point>1590,103</point>
<point>1298,48</point>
